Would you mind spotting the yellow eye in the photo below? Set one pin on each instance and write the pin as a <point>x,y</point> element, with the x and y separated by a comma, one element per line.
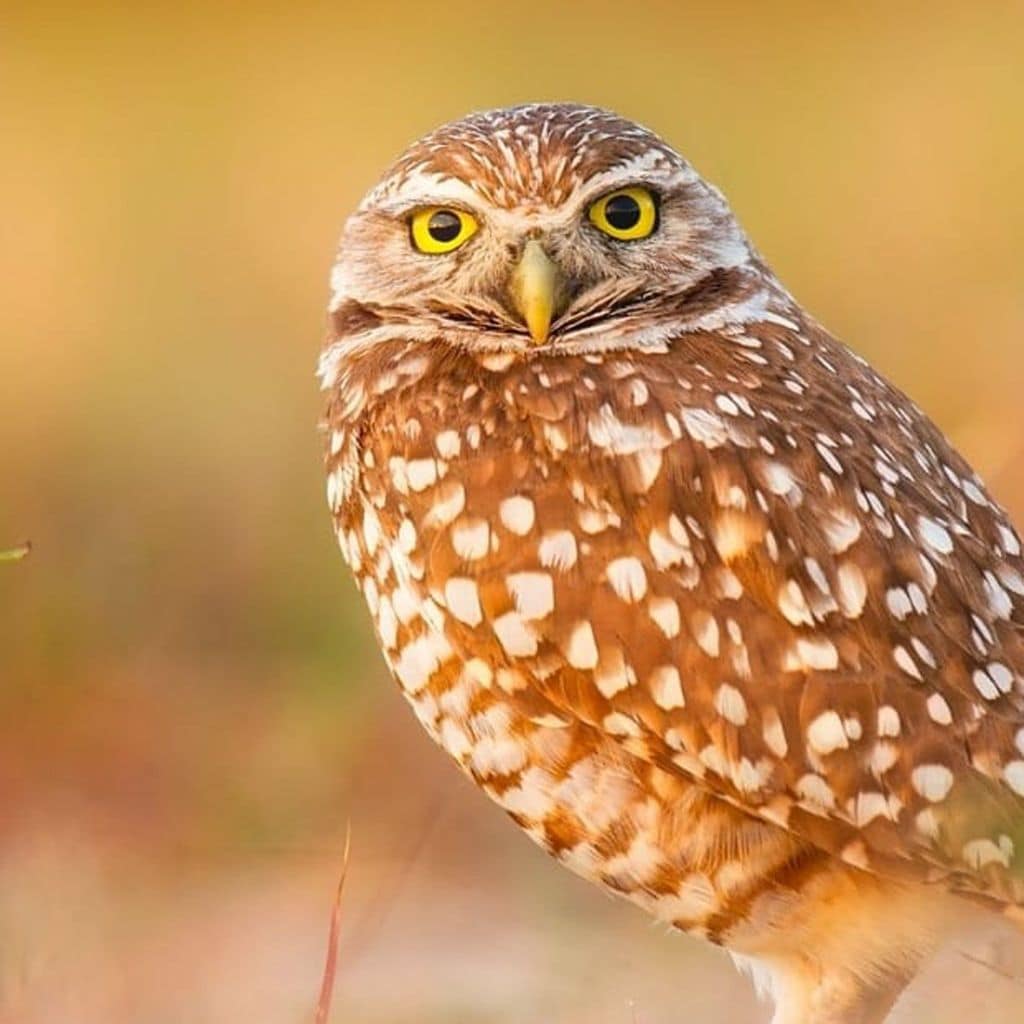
<point>628,214</point>
<point>438,230</point>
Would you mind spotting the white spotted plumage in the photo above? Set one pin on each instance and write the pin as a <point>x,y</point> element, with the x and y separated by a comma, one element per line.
<point>712,610</point>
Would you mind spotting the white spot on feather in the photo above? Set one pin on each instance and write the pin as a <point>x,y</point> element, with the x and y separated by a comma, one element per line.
<point>826,733</point>
<point>581,647</point>
<point>517,514</point>
<point>471,538</point>
<point>939,710</point>
<point>558,550</point>
<point>932,781</point>
<point>665,614</point>
<point>514,635</point>
<point>627,578</point>
<point>533,593</point>
<point>706,632</point>
<point>463,600</point>
<point>421,473</point>
<point>842,530</point>
<point>420,659</point>
<point>935,535</point>
<point>449,501</point>
<point>705,427</point>
<point>729,703</point>
<point>852,590</point>
<point>667,690</point>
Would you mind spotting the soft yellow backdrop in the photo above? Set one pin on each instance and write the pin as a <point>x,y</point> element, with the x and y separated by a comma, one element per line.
<point>191,704</point>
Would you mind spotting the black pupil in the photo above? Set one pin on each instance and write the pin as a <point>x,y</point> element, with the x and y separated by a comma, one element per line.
<point>622,212</point>
<point>444,226</point>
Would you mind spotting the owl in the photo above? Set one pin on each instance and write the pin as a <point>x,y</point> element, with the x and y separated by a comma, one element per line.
<point>714,612</point>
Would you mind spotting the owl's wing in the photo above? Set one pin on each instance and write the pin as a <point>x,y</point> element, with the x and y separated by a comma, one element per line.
<point>821,626</point>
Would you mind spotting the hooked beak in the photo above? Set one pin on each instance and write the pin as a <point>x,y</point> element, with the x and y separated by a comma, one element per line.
<point>537,288</point>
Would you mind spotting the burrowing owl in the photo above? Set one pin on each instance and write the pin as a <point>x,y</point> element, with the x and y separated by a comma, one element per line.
<point>712,610</point>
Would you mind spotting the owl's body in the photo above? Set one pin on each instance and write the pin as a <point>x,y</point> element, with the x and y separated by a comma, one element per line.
<point>709,608</point>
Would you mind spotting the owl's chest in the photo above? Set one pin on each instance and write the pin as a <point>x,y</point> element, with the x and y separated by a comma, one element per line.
<point>606,814</point>
<point>446,501</point>
<point>471,542</point>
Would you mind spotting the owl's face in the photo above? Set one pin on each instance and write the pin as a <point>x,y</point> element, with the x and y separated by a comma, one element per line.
<point>555,225</point>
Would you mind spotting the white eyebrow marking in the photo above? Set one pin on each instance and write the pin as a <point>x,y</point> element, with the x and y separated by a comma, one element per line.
<point>418,187</point>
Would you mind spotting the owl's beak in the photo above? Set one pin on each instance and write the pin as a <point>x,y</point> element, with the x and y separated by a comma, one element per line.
<point>537,288</point>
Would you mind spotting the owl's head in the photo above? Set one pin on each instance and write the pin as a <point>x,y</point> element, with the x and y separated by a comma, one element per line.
<point>547,224</point>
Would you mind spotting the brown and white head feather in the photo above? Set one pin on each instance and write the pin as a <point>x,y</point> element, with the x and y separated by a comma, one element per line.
<point>522,171</point>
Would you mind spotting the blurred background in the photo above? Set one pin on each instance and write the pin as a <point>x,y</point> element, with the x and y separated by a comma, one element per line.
<point>191,704</point>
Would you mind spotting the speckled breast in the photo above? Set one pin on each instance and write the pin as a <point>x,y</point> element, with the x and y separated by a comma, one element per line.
<point>482,514</point>
<point>736,584</point>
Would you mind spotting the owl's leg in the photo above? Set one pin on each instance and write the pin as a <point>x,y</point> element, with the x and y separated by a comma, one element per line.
<point>806,993</point>
<point>843,948</point>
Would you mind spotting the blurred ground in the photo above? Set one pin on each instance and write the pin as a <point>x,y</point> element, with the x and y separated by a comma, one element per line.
<point>190,701</point>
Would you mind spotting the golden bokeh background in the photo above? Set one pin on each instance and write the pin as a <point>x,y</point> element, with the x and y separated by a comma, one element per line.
<point>191,704</point>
